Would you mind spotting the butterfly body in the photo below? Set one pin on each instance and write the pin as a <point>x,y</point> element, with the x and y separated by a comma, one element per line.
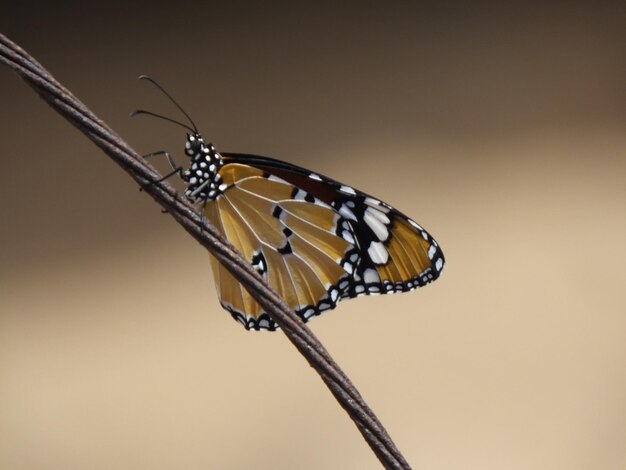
<point>315,241</point>
<point>203,179</point>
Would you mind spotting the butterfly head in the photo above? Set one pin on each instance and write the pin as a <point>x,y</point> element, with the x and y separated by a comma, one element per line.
<point>202,176</point>
<point>194,144</point>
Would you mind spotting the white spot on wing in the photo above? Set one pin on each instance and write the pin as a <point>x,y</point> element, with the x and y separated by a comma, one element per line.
<point>347,236</point>
<point>379,215</point>
<point>347,190</point>
<point>439,264</point>
<point>315,177</point>
<point>347,213</point>
<point>416,225</point>
<point>370,275</point>
<point>378,253</point>
<point>431,251</point>
<point>379,228</point>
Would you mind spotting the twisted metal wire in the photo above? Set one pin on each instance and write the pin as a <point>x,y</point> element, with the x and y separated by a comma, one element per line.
<point>66,104</point>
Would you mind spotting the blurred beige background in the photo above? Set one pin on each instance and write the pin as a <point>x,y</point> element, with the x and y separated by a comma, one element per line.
<point>500,129</point>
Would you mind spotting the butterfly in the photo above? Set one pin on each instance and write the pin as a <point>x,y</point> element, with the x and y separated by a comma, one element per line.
<point>314,240</point>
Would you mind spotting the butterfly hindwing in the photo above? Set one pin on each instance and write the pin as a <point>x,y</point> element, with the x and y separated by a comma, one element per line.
<point>314,239</point>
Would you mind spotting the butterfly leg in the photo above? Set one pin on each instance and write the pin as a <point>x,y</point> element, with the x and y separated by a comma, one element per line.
<point>176,169</point>
<point>205,200</point>
<point>166,154</point>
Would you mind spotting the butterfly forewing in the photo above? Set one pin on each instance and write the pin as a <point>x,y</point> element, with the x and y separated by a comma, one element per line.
<point>313,239</point>
<point>388,240</point>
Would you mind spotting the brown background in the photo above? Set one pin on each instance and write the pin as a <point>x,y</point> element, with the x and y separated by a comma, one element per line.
<point>501,129</point>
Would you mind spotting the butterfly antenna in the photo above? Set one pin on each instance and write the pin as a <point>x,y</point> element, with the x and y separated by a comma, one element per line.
<point>156,84</point>
<point>150,113</point>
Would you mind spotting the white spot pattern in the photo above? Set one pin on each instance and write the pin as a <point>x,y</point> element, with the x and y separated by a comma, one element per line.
<point>378,253</point>
<point>377,226</point>
<point>370,276</point>
<point>347,190</point>
<point>347,213</point>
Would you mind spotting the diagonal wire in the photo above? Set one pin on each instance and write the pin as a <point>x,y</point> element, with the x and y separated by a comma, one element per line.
<point>66,104</point>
